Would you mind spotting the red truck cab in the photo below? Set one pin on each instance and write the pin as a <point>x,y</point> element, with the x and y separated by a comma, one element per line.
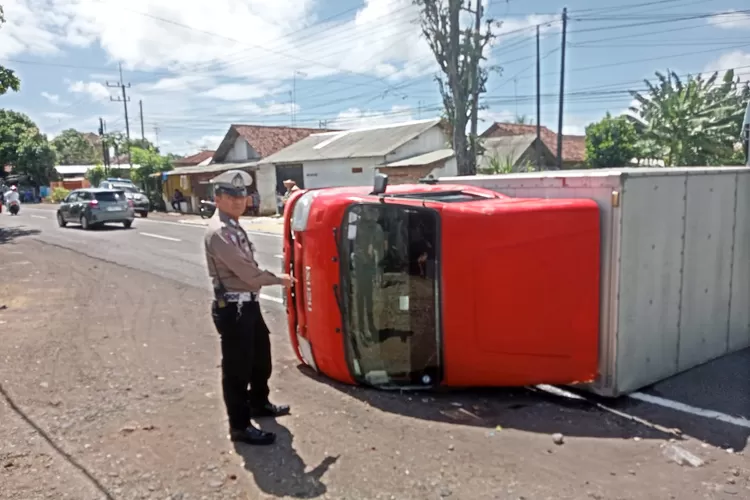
<point>423,285</point>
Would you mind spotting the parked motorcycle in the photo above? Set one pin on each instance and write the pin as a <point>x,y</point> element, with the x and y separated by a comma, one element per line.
<point>207,209</point>
<point>14,207</point>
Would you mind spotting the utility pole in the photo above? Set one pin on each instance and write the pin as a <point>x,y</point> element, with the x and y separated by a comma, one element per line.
<point>124,99</point>
<point>143,133</point>
<point>105,148</point>
<point>562,89</point>
<point>538,104</point>
<point>475,86</point>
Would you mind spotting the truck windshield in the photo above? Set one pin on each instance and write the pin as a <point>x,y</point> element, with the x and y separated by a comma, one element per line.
<point>389,256</point>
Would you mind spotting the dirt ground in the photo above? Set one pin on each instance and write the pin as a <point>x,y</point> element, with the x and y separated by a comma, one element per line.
<point>110,389</point>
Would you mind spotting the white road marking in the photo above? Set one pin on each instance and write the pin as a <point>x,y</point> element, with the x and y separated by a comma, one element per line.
<point>151,235</point>
<point>38,217</point>
<point>271,298</point>
<point>279,256</point>
<point>692,410</point>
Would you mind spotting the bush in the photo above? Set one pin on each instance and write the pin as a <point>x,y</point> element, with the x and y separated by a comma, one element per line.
<point>59,194</point>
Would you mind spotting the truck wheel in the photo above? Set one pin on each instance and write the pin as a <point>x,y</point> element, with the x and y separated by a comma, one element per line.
<point>127,224</point>
<point>144,214</point>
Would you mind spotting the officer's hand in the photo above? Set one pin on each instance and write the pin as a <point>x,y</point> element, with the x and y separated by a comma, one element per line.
<point>286,280</point>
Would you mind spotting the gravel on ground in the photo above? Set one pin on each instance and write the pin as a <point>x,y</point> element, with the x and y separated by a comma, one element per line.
<point>109,381</point>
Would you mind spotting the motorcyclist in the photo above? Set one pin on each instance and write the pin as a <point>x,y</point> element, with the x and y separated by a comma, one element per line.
<point>12,196</point>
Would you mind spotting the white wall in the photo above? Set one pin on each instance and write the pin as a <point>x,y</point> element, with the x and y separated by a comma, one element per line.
<point>449,169</point>
<point>241,151</point>
<point>429,141</point>
<point>265,176</point>
<point>337,173</point>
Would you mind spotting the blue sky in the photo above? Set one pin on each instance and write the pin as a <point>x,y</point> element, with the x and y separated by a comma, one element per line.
<point>199,66</point>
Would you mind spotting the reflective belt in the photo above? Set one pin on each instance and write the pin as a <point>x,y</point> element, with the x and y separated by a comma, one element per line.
<point>241,297</point>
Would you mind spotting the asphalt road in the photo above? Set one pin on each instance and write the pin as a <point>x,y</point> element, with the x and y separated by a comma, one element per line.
<point>711,403</point>
<point>168,249</point>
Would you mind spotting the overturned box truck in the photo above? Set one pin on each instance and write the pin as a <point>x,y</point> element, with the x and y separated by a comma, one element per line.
<point>608,279</point>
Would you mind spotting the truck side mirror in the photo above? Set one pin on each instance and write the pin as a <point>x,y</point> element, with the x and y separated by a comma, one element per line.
<point>380,184</point>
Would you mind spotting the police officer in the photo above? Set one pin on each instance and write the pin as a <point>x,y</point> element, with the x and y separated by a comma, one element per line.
<point>237,280</point>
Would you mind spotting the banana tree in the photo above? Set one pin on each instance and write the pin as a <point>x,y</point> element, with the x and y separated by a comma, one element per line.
<point>690,123</point>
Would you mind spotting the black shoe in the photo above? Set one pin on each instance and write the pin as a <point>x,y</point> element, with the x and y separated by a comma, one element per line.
<point>251,435</point>
<point>270,410</point>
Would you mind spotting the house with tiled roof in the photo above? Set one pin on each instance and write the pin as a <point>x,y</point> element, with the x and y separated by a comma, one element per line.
<point>198,159</point>
<point>242,147</point>
<point>573,146</point>
<point>405,151</point>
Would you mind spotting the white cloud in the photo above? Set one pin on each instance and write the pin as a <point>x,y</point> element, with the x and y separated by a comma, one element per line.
<point>53,98</point>
<point>518,26</point>
<point>238,72</point>
<point>96,90</point>
<point>736,59</point>
<point>357,118</point>
<point>29,28</point>
<point>54,115</point>
<point>243,92</point>
<point>731,19</point>
<point>178,84</point>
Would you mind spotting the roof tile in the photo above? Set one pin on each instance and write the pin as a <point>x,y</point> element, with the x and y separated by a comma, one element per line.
<point>267,140</point>
<point>195,159</point>
<point>574,146</point>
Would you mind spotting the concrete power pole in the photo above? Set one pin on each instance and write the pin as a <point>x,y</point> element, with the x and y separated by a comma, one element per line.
<point>745,134</point>
<point>475,86</point>
<point>562,89</point>
<point>143,132</point>
<point>538,105</point>
<point>105,148</point>
<point>124,99</point>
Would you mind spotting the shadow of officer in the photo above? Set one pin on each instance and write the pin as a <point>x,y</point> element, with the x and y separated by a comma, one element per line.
<point>280,471</point>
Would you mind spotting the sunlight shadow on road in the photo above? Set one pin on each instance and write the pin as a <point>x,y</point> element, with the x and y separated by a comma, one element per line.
<point>509,408</point>
<point>278,470</point>
<point>8,234</point>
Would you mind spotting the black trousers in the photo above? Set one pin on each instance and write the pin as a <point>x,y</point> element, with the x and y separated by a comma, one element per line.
<point>245,359</point>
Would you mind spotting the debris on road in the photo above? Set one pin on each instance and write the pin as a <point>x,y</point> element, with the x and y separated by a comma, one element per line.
<point>681,456</point>
<point>558,439</point>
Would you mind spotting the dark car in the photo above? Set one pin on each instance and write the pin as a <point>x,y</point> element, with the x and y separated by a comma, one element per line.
<point>141,203</point>
<point>94,207</point>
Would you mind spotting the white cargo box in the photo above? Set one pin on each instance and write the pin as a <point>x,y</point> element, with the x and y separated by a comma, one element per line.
<point>675,277</point>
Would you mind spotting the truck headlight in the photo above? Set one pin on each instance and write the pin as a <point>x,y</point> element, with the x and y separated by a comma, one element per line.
<point>302,210</point>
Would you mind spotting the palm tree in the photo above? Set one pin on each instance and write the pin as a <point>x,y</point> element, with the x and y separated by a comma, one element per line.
<point>690,123</point>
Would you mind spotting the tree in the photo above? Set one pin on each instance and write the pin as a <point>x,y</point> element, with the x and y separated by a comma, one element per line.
<point>8,79</point>
<point>522,120</point>
<point>73,148</point>
<point>143,144</point>
<point>149,162</point>
<point>96,175</point>
<point>691,123</point>
<point>25,148</point>
<point>611,142</point>
<point>459,52</point>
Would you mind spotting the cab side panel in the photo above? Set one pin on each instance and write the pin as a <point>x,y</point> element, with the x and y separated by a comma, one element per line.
<point>319,284</point>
